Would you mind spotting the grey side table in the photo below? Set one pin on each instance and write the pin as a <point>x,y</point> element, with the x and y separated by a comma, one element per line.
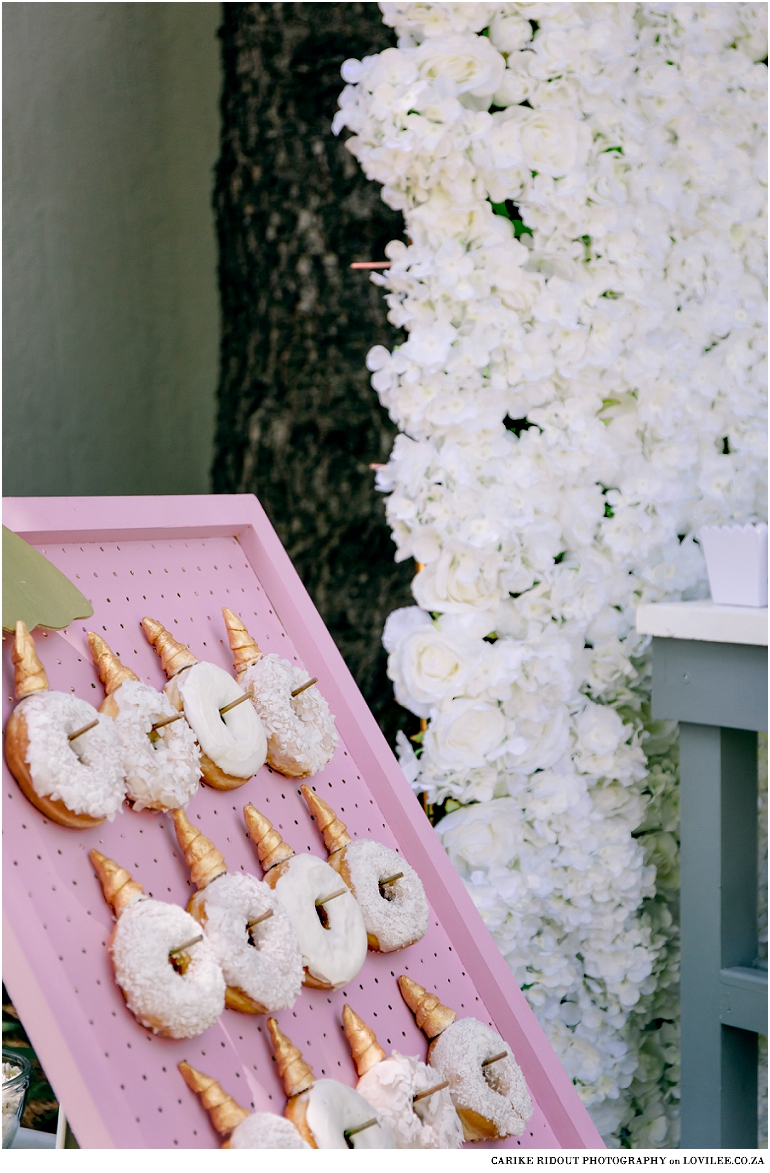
<point>709,672</point>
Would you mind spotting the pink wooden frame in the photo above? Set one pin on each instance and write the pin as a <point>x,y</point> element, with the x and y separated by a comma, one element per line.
<point>79,1058</point>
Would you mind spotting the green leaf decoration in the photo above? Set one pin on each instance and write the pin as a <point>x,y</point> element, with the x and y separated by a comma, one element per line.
<point>35,591</point>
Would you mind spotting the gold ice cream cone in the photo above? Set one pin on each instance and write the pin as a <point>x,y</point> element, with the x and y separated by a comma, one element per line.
<point>297,1076</point>
<point>173,655</point>
<point>364,1048</point>
<point>118,887</point>
<point>224,1112</point>
<point>430,1015</point>
<point>333,829</point>
<point>28,673</point>
<point>111,672</point>
<point>244,647</point>
<point>271,848</point>
<point>202,857</point>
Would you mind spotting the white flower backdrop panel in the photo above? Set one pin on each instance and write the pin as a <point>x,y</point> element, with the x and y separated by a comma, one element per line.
<point>580,389</point>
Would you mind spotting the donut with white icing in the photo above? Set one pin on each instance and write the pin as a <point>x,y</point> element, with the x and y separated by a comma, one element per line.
<point>395,913</point>
<point>161,766</point>
<point>255,1130</point>
<point>164,966</point>
<point>77,783</point>
<point>233,743</point>
<point>331,936</point>
<point>301,734</point>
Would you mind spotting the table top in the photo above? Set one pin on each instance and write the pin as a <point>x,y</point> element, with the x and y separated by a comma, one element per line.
<point>702,619</point>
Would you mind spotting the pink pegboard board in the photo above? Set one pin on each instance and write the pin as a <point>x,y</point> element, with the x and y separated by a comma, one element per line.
<point>181,559</point>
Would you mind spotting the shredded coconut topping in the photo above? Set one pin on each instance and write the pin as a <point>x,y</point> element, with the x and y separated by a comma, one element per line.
<point>390,1087</point>
<point>262,1130</point>
<point>85,774</point>
<point>235,741</point>
<point>180,1005</point>
<point>270,971</point>
<point>398,915</point>
<point>161,774</point>
<point>300,730</point>
<point>332,1107</point>
<point>498,1092</point>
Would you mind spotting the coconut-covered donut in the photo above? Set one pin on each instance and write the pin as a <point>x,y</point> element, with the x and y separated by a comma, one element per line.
<point>255,1130</point>
<point>246,926</point>
<point>331,932</point>
<point>491,1098</point>
<point>396,1087</point>
<point>164,966</point>
<point>327,1114</point>
<point>78,783</point>
<point>395,912</point>
<point>233,742</point>
<point>301,735</point>
<point>161,766</point>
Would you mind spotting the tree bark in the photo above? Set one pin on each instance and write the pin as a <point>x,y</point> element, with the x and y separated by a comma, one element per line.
<point>298,423</point>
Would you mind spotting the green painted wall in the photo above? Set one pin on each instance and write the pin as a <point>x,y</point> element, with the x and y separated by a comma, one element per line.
<point>111,320</point>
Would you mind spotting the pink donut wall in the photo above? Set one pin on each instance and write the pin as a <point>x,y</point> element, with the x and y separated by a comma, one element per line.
<point>180,560</point>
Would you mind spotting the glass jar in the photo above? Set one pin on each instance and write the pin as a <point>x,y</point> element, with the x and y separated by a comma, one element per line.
<point>16,1076</point>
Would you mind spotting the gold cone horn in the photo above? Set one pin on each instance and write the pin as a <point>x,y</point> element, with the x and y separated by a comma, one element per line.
<point>271,848</point>
<point>28,673</point>
<point>118,887</point>
<point>430,1015</point>
<point>173,655</point>
<point>334,831</point>
<point>297,1076</point>
<point>245,649</point>
<point>224,1112</point>
<point>111,672</point>
<point>202,858</point>
<point>364,1048</point>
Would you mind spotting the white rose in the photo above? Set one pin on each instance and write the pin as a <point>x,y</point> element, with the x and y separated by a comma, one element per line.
<point>508,33</point>
<point>427,667</point>
<point>467,733</point>
<point>481,836</point>
<point>456,582</point>
<point>550,141</point>
<point>401,623</point>
<point>472,63</point>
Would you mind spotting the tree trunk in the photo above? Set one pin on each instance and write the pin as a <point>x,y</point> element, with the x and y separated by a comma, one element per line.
<point>298,422</point>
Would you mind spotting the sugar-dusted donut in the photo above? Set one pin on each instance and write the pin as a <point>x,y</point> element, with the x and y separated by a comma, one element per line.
<point>233,743</point>
<point>396,1087</point>
<point>491,1099</point>
<point>395,913</point>
<point>301,734</point>
<point>161,767</point>
<point>164,966</point>
<point>247,1130</point>
<point>77,783</point>
<point>331,935</point>
<point>246,926</point>
<point>327,1114</point>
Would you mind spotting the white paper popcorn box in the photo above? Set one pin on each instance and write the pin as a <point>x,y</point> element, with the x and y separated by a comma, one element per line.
<point>736,560</point>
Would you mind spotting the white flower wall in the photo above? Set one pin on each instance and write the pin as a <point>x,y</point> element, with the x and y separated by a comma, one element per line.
<point>581,388</point>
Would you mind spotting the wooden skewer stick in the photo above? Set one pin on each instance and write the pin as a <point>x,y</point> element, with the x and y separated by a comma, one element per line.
<point>430,1091</point>
<point>360,1127</point>
<point>259,919</point>
<point>91,725</point>
<point>187,944</point>
<point>166,721</point>
<point>495,1059</point>
<point>334,895</point>
<point>391,879</point>
<point>232,704</point>
<point>302,687</point>
<point>371,264</point>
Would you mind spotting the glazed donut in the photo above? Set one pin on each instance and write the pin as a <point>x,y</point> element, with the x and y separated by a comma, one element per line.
<point>325,1111</point>
<point>491,1100</point>
<point>390,1086</point>
<point>161,767</point>
<point>395,914</point>
<point>175,992</point>
<point>233,744</point>
<point>76,783</point>
<point>331,936</point>
<point>256,1130</point>
<point>301,735</point>
<point>261,962</point>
